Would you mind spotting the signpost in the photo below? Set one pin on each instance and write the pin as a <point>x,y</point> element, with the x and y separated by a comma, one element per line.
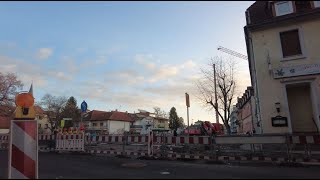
<point>84,107</point>
<point>188,105</point>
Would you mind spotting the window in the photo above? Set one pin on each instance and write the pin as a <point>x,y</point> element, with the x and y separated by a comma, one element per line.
<point>101,124</point>
<point>316,4</point>
<point>283,8</point>
<point>302,6</point>
<point>290,43</point>
<point>94,124</point>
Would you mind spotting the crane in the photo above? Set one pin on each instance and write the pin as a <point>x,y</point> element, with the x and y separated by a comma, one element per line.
<point>233,53</point>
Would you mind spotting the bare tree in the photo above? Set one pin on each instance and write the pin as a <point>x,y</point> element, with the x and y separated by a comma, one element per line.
<point>160,113</point>
<point>225,85</point>
<point>53,107</point>
<point>9,85</point>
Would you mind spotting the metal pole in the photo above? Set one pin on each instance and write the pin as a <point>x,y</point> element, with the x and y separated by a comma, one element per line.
<point>188,120</point>
<point>215,93</point>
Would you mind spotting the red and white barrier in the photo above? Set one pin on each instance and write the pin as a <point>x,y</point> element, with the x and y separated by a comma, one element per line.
<point>4,137</point>
<point>23,154</point>
<point>70,142</point>
<point>315,139</point>
<point>150,143</point>
<point>137,139</point>
<point>46,137</point>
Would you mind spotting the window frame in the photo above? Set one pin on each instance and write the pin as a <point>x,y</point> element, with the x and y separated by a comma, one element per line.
<point>276,11</point>
<point>303,54</point>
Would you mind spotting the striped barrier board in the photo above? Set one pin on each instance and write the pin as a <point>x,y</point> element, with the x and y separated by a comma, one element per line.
<point>46,137</point>
<point>151,138</point>
<point>105,138</point>
<point>137,139</point>
<point>23,150</point>
<point>70,142</point>
<point>129,153</point>
<point>312,139</point>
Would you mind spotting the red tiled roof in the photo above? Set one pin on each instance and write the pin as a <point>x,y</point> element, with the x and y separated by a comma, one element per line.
<point>38,110</point>
<point>99,115</point>
<point>120,116</point>
<point>4,122</point>
<point>6,111</point>
<point>95,115</point>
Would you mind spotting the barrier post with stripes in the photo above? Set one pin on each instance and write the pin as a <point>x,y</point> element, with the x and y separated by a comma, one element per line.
<point>150,143</point>
<point>23,150</point>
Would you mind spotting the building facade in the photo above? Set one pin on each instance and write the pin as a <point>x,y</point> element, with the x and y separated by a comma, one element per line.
<point>246,119</point>
<point>113,122</point>
<point>145,121</point>
<point>233,120</point>
<point>283,41</point>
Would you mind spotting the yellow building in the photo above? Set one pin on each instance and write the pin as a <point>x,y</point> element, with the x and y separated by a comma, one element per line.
<point>283,40</point>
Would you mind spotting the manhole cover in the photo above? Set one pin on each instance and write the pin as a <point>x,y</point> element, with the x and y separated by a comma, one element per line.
<point>134,165</point>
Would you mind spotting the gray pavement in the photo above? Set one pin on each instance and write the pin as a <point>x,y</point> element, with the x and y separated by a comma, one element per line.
<point>71,166</point>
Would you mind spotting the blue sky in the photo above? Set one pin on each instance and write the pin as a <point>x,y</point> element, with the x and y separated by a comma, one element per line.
<point>120,55</point>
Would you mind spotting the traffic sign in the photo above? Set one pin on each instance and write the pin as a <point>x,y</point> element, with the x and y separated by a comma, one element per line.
<point>84,106</point>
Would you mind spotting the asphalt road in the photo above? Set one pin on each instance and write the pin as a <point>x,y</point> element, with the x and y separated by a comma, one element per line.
<point>69,166</point>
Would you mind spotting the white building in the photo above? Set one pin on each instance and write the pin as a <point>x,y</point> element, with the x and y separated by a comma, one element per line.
<point>113,122</point>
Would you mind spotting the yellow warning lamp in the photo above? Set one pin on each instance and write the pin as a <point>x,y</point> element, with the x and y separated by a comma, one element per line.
<point>24,109</point>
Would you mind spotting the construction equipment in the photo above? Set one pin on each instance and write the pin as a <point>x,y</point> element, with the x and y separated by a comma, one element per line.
<point>233,53</point>
<point>204,128</point>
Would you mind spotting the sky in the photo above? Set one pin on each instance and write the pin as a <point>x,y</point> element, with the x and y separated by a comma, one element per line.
<point>121,55</point>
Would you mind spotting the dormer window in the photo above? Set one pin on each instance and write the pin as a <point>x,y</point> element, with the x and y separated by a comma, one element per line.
<point>283,8</point>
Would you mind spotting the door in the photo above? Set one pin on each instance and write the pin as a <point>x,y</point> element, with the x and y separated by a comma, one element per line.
<point>300,108</point>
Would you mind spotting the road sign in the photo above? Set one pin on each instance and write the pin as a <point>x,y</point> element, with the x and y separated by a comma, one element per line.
<point>84,106</point>
<point>187,100</point>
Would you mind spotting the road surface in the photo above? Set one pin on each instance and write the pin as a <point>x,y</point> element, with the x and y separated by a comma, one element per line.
<point>67,166</point>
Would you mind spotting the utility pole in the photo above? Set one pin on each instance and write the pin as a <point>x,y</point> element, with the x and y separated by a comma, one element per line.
<point>188,105</point>
<point>215,93</point>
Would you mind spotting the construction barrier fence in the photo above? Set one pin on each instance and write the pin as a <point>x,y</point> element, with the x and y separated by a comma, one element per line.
<point>291,147</point>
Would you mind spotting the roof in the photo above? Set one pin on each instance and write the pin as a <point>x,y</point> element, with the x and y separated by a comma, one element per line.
<point>260,14</point>
<point>96,115</point>
<point>6,111</point>
<point>161,118</point>
<point>39,110</point>
<point>4,122</point>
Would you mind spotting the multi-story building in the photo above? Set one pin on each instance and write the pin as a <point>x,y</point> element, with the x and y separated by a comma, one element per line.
<point>114,122</point>
<point>283,40</point>
<point>144,121</point>
<point>246,120</point>
<point>233,120</point>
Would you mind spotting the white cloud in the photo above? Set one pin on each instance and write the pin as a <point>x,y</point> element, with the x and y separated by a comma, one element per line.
<point>124,77</point>
<point>144,60</point>
<point>44,53</point>
<point>69,65</point>
<point>60,75</point>
<point>188,65</point>
<point>101,60</point>
<point>165,71</point>
<point>26,72</point>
